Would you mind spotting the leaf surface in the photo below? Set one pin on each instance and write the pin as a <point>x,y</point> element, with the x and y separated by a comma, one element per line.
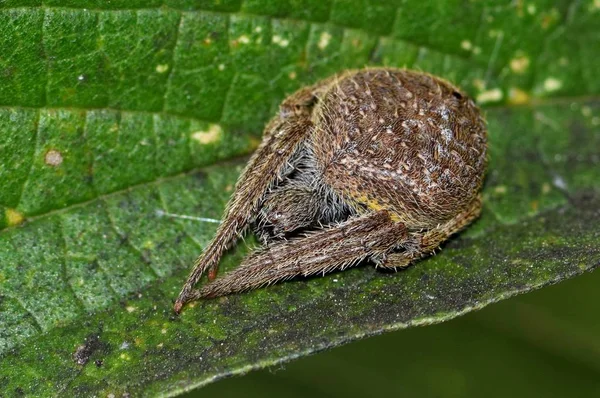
<point>118,118</point>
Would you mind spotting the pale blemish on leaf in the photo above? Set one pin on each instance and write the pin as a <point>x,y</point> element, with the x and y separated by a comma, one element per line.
<point>280,41</point>
<point>221,67</point>
<point>546,188</point>
<point>466,45</point>
<point>324,40</point>
<point>243,39</point>
<point>53,158</point>
<point>586,111</point>
<point>130,309</point>
<point>213,134</point>
<point>162,68</point>
<point>517,96</point>
<point>519,64</point>
<point>493,95</point>
<point>500,189</point>
<point>549,18</point>
<point>13,217</point>
<point>292,75</point>
<point>148,244</point>
<point>479,84</point>
<point>531,9</point>
<point>552,84</point>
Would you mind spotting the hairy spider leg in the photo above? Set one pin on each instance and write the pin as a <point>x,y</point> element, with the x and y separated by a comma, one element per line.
<point>319,252</point>
<point>264,168</point>
<point>304,200</point>
<point>283,136</point>
<point>420,244</point>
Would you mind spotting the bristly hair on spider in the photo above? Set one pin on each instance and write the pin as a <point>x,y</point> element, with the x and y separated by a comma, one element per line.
<point>377,164</point>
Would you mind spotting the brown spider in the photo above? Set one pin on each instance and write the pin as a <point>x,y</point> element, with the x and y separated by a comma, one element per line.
<point>378,164</point>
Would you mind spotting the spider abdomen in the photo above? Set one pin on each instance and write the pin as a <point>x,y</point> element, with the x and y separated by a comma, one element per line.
<point>403,141</point>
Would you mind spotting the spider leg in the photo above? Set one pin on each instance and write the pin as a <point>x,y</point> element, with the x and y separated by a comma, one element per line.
<point>421,244</point>
<point>282,138</point>
<point>266,165</point>
<point>305,202</point>
<point>336,247</point>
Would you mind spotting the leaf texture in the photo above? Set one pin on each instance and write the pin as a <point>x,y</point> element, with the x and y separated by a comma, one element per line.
<point>118,123</point>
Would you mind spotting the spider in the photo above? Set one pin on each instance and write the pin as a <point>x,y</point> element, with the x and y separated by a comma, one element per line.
<point>377,164</point>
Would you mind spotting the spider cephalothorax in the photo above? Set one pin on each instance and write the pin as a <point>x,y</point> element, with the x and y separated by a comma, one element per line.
<point>378,164</point>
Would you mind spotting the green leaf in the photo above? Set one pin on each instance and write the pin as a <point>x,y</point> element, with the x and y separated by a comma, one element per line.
<point>117,118</point>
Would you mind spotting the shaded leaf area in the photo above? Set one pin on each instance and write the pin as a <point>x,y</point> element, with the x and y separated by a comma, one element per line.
<point>118,254</point>
<point>156,88</point>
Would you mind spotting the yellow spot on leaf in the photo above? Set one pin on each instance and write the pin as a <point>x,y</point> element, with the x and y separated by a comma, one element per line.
<point>500,189</point>
<point>519,64</point>
<point>534,205</point>
<point>13,217</point>
<point>324,40</point>
<point>552,84</point>
<point>213,134</point>
<point>493,95</point>
<point>546,188</point>
<point>517,96</point>
<point>549,18</point>
<point>148,244</point>
<point>466,45</point>
<point>162,68</point>
<point>479,84</point>
<point>280,41</point>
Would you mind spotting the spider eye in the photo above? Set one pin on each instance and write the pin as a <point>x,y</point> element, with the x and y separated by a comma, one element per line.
<point>457,95</point>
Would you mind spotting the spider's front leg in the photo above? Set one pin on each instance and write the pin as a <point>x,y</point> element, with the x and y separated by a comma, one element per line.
<point>335,247</point>
<point>282,138</point>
